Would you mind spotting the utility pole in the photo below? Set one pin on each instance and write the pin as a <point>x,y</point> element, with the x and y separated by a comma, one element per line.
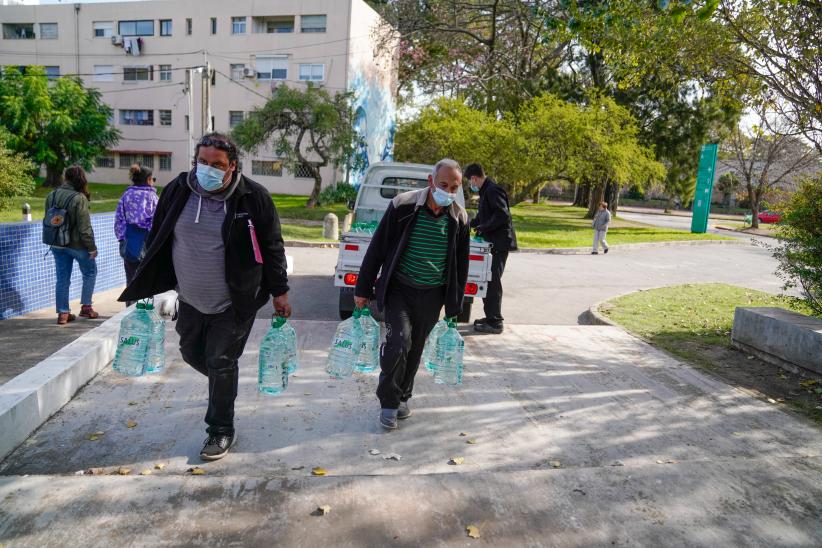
<point>205,98</point>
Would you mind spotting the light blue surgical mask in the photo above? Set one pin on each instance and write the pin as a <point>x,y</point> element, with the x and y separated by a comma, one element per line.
<point>442,198</point>
<point>210,178</point>
<point>473,188</point>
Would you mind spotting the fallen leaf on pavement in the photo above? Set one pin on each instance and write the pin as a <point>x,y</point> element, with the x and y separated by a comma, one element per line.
<point>322,510</point>
<point>580,491</point>
<point>318,471</point>
<point>463,434</point>
<point>146,472</point>
<point>660,462</point>
<point>306,393</point>
<point>197,471</point>
<point>131,424</point>
<point>471,441</point>
<point>298,468</point>
<point>456,460</point>
<point>771,400</point>
<point>92,437</point>
<point>374,451</point>
<point>617,463</point>
<point>555,463</point>
<point>808,383</point>
<point>124,471</point>
<point>132,403</point>
<point>472,531</point>
<point>159,466</point>
<point>392,456</point>
<point>95,471</point>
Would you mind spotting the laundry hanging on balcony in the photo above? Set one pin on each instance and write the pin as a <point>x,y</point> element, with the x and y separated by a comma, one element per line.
<point>132,45</point>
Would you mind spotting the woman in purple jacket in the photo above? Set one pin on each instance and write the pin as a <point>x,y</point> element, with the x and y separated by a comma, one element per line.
<point>134,216</point>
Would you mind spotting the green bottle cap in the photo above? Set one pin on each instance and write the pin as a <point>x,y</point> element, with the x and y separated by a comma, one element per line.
<point>141,306</point>
<point>149,306</point>
<point>357,312</point>
<point>365,311</point>
<point>277,321</point>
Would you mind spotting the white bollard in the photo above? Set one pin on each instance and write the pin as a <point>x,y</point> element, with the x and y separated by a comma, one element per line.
<point>27,213</point>
<point>348,220</point>
<point>331,227</point>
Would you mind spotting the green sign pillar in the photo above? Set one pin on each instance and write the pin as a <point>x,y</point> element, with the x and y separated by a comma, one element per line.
<point>704,187</point>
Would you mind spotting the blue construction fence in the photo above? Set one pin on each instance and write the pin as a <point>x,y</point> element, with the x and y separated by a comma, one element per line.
<point>27,267</point>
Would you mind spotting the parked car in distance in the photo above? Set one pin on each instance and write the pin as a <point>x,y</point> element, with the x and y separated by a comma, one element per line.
<point>769,217</point>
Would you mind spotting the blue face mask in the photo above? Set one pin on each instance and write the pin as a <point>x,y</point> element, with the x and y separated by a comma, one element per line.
<point>442,198</point>
<point>474,188</point>
<point>210,178</point>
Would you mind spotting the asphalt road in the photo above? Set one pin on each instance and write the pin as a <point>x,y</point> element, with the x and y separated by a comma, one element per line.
<point>676,221</point>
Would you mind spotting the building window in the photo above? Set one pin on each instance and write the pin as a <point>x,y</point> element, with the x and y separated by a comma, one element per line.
<point>165,162</point>
<point>137,117</point>
<point>271,68</point>
<point>304,172</point>
<point>312,72</point>
<point>52,73</point>
<point>106,161</point>
<point>238,25</point>
<point>137,74</point>
<point>237,71</point>
<point>48,31</point>
<point>273,25</point>
<point>165,73</point>
<point>187,123</point>
<point>312,23</point>
<point>188,26</point>
<point>103,29</point>
<point>128,160</point>
<point>147,160</point>
<point>103,73</point>
<point>136,28</point>
<point>213,25</point>
<point>165,27</point>
<point>235,117</point>
<point>18,31</point>
<point>269,168</point>
<point>165,117</point>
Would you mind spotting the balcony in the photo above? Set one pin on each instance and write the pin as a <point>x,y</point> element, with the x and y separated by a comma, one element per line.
<point>273,24</point>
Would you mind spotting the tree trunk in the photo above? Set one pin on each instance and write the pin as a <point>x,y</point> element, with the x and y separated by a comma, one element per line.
<point>597,194</point>
<point>535,194</point>
<point>54,176</point>
<point>315,192</point>
<point>614,203</point>
<point>581,199</point>
<point>753,202</point>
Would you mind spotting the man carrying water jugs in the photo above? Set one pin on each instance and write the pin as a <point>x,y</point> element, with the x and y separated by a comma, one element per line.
<point>420,252</point>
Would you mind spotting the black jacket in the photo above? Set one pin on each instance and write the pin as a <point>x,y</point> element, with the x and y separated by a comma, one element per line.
<point>250,283</point>
<point>391,238</point>
<point>493,220</point>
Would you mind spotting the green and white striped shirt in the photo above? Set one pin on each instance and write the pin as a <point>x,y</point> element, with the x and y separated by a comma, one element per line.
<point>425,258</point>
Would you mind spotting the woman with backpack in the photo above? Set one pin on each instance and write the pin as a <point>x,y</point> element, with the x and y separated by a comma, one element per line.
<point>72,239</point>
<point>132,221</point>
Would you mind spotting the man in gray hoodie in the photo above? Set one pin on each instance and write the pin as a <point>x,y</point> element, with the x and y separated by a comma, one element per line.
<point>600,224</point>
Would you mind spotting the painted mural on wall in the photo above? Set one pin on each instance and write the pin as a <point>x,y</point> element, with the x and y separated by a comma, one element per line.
<point>375,118</point>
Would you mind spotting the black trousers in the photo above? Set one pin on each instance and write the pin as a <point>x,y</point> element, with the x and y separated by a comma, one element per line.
<point>410,314</point>
<point>492,303</point>
<point>131,269</point>
<point>212,344</point>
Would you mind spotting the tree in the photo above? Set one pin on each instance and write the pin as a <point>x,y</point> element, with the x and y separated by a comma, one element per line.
<point>15,173</point>
<point>728,184</point>
<point>765,159</point>
<point>800,250</point>
<point>308,128</point>
<point>56,124</point>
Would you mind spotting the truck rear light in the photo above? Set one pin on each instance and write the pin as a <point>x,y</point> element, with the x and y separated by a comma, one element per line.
<point>352,247</point>
<point>471,289</point>
<point>475,258</point>
<point>350,279</point>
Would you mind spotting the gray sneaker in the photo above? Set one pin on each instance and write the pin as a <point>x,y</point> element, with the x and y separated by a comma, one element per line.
<point>388,419</point>
<point>404,411</point>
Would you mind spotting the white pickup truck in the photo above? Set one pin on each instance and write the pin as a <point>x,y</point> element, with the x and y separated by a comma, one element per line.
<point>383,181</point>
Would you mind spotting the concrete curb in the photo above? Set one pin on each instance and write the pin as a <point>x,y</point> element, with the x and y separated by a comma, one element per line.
<point>301,243</point>
<point>29,399</point>
<point>645,245</point>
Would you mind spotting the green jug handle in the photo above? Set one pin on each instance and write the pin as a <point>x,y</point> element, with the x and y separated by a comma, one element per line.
<point>277,321</point>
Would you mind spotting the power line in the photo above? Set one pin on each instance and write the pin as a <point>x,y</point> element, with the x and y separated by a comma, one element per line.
<point>73,55</point>
<point>255,92</point>
<point>141,88</point>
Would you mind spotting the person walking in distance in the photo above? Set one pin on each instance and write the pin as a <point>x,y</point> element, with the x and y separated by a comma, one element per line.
<point>600,225</point>
<point>216,239</point>
<point>493,222</point>
<point>420,252</point>
<point>73,197</point>
<point>133,218</point>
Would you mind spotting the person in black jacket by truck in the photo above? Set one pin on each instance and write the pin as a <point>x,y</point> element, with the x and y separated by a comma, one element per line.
<point>420,252</point>
<point>215,239</point>
<point>493,223</point>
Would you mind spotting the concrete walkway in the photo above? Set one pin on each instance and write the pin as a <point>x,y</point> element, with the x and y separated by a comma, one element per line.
<point>584,436</point>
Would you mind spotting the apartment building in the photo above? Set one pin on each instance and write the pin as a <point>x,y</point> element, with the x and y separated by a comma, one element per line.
<point>173,70</point>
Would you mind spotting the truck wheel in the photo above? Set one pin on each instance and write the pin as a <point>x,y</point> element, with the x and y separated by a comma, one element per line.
<point>346,304</point>
<point>465,317</point>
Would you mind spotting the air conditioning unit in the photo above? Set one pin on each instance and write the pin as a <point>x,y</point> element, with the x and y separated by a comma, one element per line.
<point>117,40</point>
<point>249,72</point>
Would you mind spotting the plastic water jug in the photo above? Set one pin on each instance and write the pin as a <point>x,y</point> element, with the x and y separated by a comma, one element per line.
<point>369,357</point>
<point>133,341</point>
<point>293,361</point>
<point>450,349</point>
<point>429,356</point>
<point>345,347</point>
<point>156,356</point>
<point>275,352</point>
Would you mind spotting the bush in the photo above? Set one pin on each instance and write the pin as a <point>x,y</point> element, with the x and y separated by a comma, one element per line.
<point>800,252</point>
<point>337,194</point>
<point>635,193</point>
<point>15,174</point>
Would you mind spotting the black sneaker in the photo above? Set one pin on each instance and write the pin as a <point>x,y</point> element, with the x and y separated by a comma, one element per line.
<point>217,446</point>
<point>404,411</point>
<point>594,253</point>
<point>388,419</point>
<point>488,328</point>
<point>606,250</point>
<point>481,320</point>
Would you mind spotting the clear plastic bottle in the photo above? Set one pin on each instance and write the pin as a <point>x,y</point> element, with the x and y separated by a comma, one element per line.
<point>156,357</point>
<point>369,356</point>
<point>131,358</point>
<point>429,352</point>
<point>345,347</point>
<point>275,351</point>
<point>450,349</point>
<point>293,360</point>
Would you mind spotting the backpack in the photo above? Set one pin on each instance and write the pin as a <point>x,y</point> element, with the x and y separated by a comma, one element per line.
<point>133,246</point>
<point>56,226</point>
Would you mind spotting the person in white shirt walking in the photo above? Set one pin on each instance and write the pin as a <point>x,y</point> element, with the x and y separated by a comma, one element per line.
<point>600,225</point>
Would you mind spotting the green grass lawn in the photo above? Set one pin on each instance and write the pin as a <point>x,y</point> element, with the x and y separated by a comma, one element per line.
<point>554,225</point>
<point>694,323</point>
<point>104,198</point>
